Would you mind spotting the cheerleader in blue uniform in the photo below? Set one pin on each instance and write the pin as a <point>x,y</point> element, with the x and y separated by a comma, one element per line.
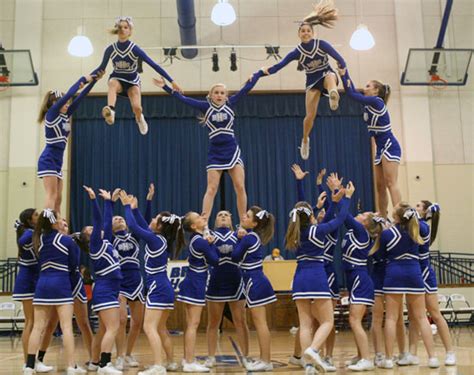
<point>57,257</point>
<point>124,79</point>
<point>56,111</point>
<point>430,212</point>
<point>161,236</point>
<point>356,247</point>
<point>257,230</point>
<point>312,56</point>
<point>225,286</point>
<point>131,287</point>
<point>310,282</point>
<point>375,96</point>
<point>224,152</point>
<point>105,295</point>
<point>192,290</point>
<point>399,245</point>
<point>80,301</point>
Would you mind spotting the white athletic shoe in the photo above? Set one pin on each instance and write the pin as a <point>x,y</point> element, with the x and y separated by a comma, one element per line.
<point>75,370</point>
<point>142,125</point>
<point>387,364</point>
<point>119,363</point>
<point>154,370</point>
<point>352,361</point>
<point>109,369</point>
<point>172,366</point>
<point>294,330</point>
<point>40,367</point>
<point>408,359</point>
<point>194,367</point>
<point>296,361</point>
<point>130,361</point>
<point>28,371</point>
<point>304,149</point>
<point>362,365</point>
<point>334,99</point>
<point>312,357</point>
<point>91,367</point>
<point>329,364</point>
<point>109,115</point>
<point>260,365</point>
<point>433,362</point>
<point>210,362</point>
<point>310,370</point>
<point>246,361</point>
<point>379,358</point>
<point>450,359</point>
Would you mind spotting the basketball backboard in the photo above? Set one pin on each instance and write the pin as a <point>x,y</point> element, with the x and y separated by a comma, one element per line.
<point>16,68</point>
<point>436,67</point>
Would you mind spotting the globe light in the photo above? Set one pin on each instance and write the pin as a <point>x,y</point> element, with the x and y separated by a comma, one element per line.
<point>362,39</point>
<point>223,14</point>
<point>80,45</point>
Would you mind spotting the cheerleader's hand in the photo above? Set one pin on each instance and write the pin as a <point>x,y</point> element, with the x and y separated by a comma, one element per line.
<point>125,198</point>
<point>350,188</point>
<point>319,178</point>
<point>134,203</point>
<point>98,75</point>
<point>321,200</point>
<point>336,197</point>
<point>341,71</point>
<point>160,82</point>
<point>116,194</point>
<point>265,71</point>
<point>105,194</point>
<point>299,173</point>
<point>241,233</point>
<point>176,87</point>
<point>89,191</point>
<point>210,239</point>
<point>151,192</point>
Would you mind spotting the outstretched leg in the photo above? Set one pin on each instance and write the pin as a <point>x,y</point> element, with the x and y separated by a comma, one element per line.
<point>238,178</point>
<point>213,179</point>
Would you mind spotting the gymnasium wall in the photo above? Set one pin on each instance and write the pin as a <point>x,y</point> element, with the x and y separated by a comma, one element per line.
<point>435,129</point>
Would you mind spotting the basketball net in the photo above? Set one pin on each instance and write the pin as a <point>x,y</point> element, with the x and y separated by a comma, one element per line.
<point>437,83</point>
<point>4,83</point>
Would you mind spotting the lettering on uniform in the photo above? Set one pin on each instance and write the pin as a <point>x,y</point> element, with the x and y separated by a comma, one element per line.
<point>220,117</point>
<point>125,246</point>
<point>122,64</point>
<point>225,249</point>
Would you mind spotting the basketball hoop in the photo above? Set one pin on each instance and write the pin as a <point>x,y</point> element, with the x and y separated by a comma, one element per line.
<point>4,83</point>
<point>437,83</point>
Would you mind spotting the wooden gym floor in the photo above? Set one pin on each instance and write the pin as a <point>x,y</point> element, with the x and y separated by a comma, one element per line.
<point>11,360</point>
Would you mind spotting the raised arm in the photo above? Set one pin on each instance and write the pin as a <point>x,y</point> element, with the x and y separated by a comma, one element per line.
<point>241,248</point>
<point>249,85</point>
<point>105,60</point>
<point>293,55</point>
<point>139,52</point>
<point>202,105</point>
<point>75,103</point>
<point>334,224</point>
<point>351,223</point>
<point>149,198</point>
<point>96,236</point>
<point>139,218</point>
<point>74,255</point>
<point>56,107</point>
<point>326,47</point>
<point>373,101</point>
<point>299,175</point>
<point>108,216</point>
<point>25,238</point>
<point>136,229</point>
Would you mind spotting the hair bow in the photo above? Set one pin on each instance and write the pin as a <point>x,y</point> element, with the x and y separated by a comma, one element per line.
<point>378,219</point>
<point>57,93</point>
<point>171,219</point>
<point>434,207</point>
<point>123,18</point>
<point>409,213</point>
<point>49,214</point>
<point>261,214</point>
<point>295,211</point>
<point>17,224</point>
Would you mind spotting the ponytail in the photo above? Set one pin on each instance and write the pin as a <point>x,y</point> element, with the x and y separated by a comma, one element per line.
<point>409,221</point>
<point>299,219</point>
<point>432,212</point>
<point>384,90</point>
<point>46,219</point>
<point>375,229</point>
<point>265,224</point>
<point>324,14</point>
<point>22,224</point>
<point>81,240</point>
<point>172,231</point>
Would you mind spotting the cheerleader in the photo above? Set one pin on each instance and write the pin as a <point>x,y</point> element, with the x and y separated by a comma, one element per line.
<point>57,257</point>
<point>105,296</point>
<point>310,282</point>
<point>399,246</point>
<point>80,302</point>
<point>312,56</point>
<point>124,80</point>
<point>428,211</point>
<point>131,287</point>
<point>257,230</point>
<point>224,152</point>
<point>192,290</point>
<point>160,237</point>
<point>356,247</point>
<point>375,96</point>
<point>56,111</point>
<point>225,286</point>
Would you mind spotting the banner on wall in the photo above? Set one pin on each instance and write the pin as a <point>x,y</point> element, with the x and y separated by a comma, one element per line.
<point>176,273</point>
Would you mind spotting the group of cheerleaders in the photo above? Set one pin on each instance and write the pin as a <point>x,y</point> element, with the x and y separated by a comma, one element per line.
<point>50,285</point>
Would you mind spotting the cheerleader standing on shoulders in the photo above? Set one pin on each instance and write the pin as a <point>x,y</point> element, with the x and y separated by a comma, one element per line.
<point>57,257</point>
<point>105,295</point>
<point>124,79</point>
<point>312,56</point>
<point>310,284</point>
<point>56,111</point>
<point>131,287</point>
<point>388,151</point>
<point>429,212</point>
<point>162,235</point>
<point>224,153</point>
<point>192,290</point>
<point>399,245</point>
<point>225,286</point>
<point>257,230</point>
